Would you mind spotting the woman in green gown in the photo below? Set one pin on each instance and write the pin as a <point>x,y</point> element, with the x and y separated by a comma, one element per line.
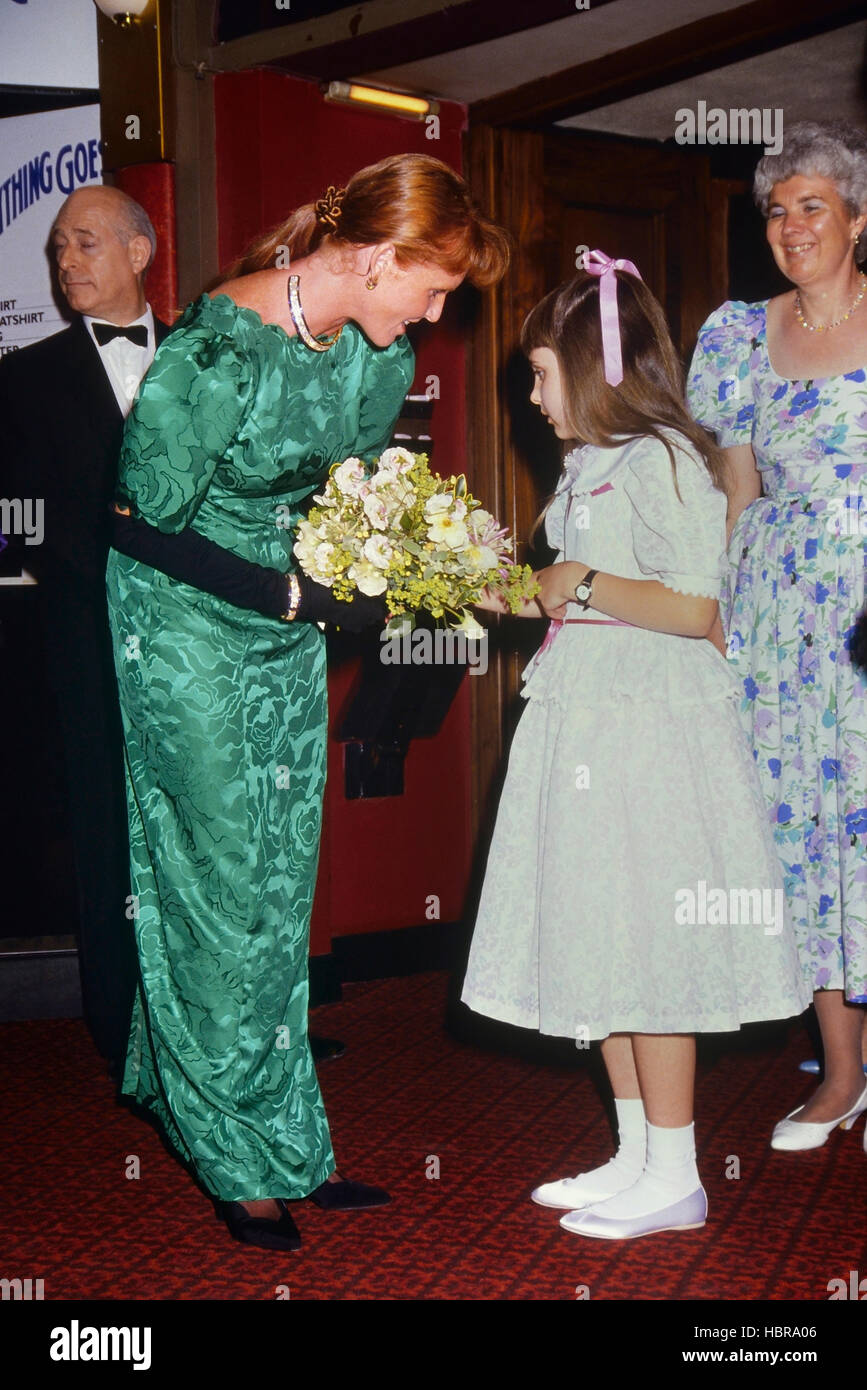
<point>250,400</point>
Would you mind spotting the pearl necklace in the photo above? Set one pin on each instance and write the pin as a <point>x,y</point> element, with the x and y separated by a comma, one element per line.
<point>297,315</point>
<point>826,327</point>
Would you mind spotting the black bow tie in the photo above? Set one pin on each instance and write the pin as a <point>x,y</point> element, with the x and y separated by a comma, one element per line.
<point>136,332</point>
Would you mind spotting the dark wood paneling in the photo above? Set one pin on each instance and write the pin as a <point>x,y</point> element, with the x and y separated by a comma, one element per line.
<point>655,202</point>
<point>506,171</point>
<point>555,192</point>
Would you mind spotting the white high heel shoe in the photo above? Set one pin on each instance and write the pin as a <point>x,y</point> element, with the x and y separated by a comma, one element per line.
<point>792,1135</point>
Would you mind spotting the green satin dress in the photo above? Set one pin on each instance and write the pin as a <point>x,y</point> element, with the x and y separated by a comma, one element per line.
<point>224,714</point>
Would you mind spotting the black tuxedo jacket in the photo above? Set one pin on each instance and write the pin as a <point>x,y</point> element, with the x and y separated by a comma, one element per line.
<point>60,436</point>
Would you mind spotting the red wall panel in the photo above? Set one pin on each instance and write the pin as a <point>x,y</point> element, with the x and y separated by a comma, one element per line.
<point>153,186</point>
<point>280,144</point>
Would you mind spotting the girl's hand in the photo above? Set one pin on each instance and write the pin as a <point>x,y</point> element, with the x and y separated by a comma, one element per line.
<point>491,602</point>
<point>494,603</point>
<point>557,586</point>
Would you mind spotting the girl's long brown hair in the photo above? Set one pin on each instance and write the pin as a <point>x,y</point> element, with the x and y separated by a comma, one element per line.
<point>413,200</point>
<point>650,398</point>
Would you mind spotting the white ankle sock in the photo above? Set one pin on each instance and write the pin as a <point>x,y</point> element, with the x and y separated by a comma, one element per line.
<point>670,1174</point>
<point>627,1165</point>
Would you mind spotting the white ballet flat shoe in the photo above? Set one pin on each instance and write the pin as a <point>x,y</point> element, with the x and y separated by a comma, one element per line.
<point>571,1194</point>
<point>793,1135</point>
<point>689,1214</point>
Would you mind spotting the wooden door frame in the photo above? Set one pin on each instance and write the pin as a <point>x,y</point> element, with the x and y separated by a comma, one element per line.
<point>505,171</point>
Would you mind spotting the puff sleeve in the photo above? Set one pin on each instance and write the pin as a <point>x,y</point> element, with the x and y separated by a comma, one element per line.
<point>681,543</point>
<point>184,423</point>
<point>719,384</point>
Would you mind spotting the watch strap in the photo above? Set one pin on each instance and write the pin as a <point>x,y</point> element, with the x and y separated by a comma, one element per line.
<point>586,583</point>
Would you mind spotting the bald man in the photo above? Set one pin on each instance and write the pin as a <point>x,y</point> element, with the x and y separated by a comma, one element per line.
<point>63,403</point>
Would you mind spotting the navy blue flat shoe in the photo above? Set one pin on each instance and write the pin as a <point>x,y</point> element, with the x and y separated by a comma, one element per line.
<point>282,1234</point>
<point>348,1196</point>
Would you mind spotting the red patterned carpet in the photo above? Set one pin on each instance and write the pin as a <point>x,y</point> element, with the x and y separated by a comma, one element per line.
<point>407,1092</point>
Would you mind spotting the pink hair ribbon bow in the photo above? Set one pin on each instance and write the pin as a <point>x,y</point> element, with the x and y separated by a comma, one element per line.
<point>597,263</point>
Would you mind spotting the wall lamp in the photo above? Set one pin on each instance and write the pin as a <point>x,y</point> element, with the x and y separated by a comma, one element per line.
<point>377,99</point>
<point>123,12</point>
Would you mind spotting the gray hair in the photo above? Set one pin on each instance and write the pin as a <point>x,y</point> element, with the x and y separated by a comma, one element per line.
<point>832,150</point>
<point>134,221</point>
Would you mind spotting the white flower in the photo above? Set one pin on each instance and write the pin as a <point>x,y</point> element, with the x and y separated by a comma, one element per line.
<point>305,546</point>
<point>400,494</point>
<point>478,522</point>
<point>439,502</point>
<point>378,551</point>
<point>480,557</point>
<point>396,460</point>
<point>349,477</point>
<point>473,630</point>
<point>383,484</point>
<point>366,577</point>
<point>322,557</point>
<point>446,531</point>
<point>376,511</point>
<point>459,509</point>
<point>314,554</point>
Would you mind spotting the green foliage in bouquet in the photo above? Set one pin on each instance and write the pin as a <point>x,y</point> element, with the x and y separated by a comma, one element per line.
<point>422,541</point>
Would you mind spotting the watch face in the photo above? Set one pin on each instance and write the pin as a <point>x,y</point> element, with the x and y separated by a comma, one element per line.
<point>583,591</point>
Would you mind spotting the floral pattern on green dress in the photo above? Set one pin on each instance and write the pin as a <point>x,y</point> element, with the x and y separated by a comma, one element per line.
<point>224,715</point>
<point>795,585</point>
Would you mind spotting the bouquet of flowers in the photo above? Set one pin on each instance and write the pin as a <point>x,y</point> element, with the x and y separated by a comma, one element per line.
<point>420,540</point>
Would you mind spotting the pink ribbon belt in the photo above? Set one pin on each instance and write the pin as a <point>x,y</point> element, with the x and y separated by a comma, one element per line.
<point>556,624</point>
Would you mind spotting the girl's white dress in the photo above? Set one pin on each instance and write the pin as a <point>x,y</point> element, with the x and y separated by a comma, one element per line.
<point>633,884</point>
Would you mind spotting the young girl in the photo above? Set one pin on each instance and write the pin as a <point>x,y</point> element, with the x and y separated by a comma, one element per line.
<point>633,891</point>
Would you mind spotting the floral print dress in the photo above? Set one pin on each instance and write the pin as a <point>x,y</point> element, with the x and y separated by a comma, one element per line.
<point>794,588</point>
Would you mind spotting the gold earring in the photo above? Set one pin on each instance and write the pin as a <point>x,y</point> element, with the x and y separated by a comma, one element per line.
<point>370,283</point>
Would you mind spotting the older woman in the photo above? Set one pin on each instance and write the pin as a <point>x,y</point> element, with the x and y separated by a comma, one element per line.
<point>783,384</point>
<point>298,360</point>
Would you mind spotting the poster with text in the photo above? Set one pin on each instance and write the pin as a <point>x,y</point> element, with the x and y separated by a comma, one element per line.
<point>43,158</point>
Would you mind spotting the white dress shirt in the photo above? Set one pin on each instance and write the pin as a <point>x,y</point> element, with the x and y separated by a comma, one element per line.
<point>125,362</point>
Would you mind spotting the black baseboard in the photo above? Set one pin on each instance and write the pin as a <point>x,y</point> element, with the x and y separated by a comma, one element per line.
<point>382,955</point>
<point>39,984</point>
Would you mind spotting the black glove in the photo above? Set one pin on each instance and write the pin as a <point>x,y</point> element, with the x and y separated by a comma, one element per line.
<point>193,559</point>
<point>858,642</point>
<point>318,605</point>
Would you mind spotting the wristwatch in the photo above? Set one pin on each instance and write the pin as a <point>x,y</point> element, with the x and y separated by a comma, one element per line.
<point>585,589</point>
